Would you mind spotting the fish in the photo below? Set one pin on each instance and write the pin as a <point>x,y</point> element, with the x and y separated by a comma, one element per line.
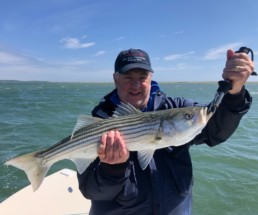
<point>143,132</point>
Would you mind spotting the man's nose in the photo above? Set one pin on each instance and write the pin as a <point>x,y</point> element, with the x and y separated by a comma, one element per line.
<point>135,83</point>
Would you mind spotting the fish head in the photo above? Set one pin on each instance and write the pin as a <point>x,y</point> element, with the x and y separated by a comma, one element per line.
<point>181,125</point>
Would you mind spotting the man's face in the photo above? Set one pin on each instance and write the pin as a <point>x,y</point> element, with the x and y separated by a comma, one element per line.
<point>134,87</point>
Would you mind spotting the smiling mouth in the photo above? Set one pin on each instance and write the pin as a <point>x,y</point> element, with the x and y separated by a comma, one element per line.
<point>135,94</point>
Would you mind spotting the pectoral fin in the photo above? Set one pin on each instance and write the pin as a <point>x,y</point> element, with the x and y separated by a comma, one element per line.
<point>82,160</point>
<point>145,157</point>
<point>81,164</point>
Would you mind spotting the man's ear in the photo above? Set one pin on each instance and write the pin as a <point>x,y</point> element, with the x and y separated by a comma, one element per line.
<point>115,77</point>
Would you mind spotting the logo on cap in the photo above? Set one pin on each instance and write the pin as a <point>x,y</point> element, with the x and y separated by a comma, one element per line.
<point>131,59</point>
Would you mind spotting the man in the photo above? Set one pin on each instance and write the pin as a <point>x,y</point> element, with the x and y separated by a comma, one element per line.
<point>115,182</point>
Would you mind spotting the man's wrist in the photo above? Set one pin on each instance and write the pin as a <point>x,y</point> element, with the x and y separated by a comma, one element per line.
<point>114,170</point>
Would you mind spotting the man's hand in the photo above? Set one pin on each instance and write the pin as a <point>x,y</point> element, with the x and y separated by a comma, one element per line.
<point>238,68</point>
<point>112,149</point>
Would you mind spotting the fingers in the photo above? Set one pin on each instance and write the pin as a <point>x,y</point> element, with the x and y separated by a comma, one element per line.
<point>112,148</point>
<point>238,68</point>
<point>230,54</point>
<point>110,145</point>
<point>235,63</point>
<point>121,147</point>
<point>101,151</point>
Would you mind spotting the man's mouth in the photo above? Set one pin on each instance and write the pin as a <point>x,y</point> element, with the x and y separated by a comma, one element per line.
<point>134,94</point>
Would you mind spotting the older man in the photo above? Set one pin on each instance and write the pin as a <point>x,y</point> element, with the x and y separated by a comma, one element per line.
<point>115,182</point>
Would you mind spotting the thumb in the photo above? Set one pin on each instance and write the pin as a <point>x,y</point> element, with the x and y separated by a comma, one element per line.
<point>230,54</point>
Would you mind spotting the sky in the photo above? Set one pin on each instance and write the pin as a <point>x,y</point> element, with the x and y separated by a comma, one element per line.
<point>79,40</point>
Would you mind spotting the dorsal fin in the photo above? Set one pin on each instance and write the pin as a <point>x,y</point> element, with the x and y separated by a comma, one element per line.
<point>84,120</point>
<point>125,109</point>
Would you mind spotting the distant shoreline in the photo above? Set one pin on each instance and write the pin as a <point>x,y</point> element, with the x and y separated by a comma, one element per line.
<point>77,82</point>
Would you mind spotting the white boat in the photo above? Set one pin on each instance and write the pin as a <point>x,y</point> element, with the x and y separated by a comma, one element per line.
<point>57,195</point>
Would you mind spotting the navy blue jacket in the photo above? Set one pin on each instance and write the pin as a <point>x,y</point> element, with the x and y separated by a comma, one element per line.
<point>165,187</point>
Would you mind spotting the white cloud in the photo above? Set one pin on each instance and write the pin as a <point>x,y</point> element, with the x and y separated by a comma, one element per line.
<point>100,53</point>
<point>10,58</point>
<point>120,38</point>
<point>178,56</point>
<point>15,66</point>
<point>173,57</point>
<point>75,63</point>
<point>74,43</point>
<point>220,52</point>
<point>180,66</point>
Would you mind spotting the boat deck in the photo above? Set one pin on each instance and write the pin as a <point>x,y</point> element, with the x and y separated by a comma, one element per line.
<point>58,194</point>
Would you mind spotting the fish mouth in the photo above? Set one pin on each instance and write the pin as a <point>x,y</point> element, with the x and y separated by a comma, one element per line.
<point>205,115</point>
<point>208,113</point>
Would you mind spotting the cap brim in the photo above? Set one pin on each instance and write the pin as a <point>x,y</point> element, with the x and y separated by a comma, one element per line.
<point>134,66</point>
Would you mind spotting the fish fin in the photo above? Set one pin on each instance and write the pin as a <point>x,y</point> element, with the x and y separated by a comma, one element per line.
<point>81,163</point>
<point>33,166</point>
<point>84,120</point>
<point>125,109</point>
<point>145,157</point>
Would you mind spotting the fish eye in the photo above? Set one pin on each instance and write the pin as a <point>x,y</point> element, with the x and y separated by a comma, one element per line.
<point>188,116</point>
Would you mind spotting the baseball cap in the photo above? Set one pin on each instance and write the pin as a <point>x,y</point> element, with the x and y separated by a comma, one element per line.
<point>132,58</point>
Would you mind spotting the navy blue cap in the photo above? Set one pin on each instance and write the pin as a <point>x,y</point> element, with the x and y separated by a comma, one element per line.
<point>131,59</point>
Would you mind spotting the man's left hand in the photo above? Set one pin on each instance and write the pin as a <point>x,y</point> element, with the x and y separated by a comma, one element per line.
<point>238,68</point>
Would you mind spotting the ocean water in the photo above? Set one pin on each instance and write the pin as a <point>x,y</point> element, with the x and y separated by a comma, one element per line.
<point>35,115</point>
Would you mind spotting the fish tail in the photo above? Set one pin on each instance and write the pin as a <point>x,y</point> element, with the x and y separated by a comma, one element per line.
<point>33,166</point>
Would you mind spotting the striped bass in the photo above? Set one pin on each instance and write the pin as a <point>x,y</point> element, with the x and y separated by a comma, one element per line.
<point>142,131</point>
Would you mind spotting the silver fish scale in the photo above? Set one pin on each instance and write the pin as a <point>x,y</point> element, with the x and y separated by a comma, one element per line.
<point>131,126</point>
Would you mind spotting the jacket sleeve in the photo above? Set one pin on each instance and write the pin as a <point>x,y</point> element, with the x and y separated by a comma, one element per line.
<point>226,119</point>
<point>102,181</point>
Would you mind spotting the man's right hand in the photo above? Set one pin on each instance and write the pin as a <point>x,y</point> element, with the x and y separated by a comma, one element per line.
<point>112,148</point>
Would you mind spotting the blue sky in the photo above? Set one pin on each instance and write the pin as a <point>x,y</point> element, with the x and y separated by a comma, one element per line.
<point>78,40</point>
